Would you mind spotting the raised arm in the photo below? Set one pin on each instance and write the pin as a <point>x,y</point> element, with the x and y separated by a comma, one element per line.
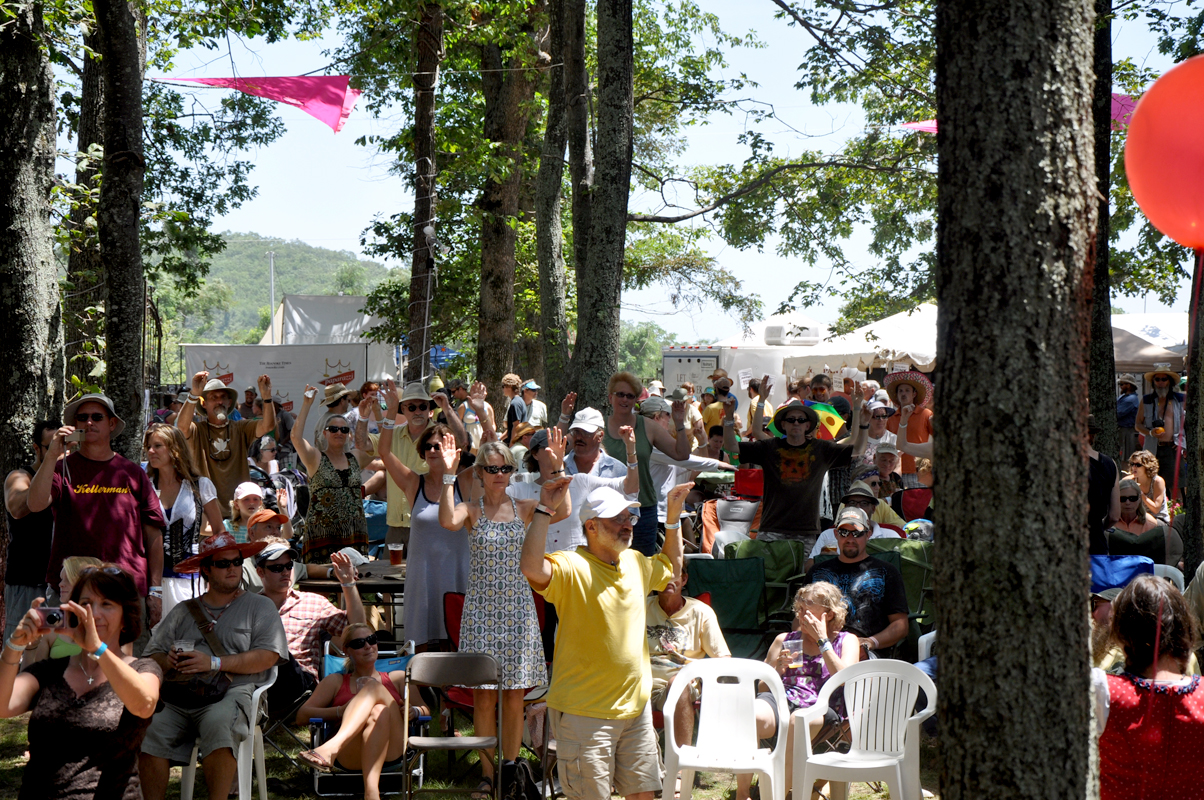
<point>402,475</point>
<point>861,432</point>
<point>631,483</point>
<point>729,425</point>
<point>184,418</point>
<point>537,569</point>
<point>476,401</point>
<point>758,415</point>
<point>661,439</point>
<point>527,508</point>
<point>41,487</point>
<point>340,564</point>
<point>16,493</point>
<point>367,406</point>
<point>566,413</point>
<point>452,420</point>
<point>308,454</point>
<point>452,515</point>
<point>675,502</point>
<point>268,423</point>
<point>17,691</point>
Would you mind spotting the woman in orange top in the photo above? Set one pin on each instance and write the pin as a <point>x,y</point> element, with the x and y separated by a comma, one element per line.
<point>910,391</point>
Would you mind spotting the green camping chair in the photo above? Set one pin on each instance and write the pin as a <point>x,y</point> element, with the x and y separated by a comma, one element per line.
<point>737,588</point>
<point>784,560</point>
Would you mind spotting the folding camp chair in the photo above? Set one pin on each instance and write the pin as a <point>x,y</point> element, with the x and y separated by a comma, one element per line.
<point>737,588</point>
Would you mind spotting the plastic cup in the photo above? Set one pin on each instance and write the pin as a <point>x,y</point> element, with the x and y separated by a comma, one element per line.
<point>395,554</point>
<point>794,647</point>
<point>183,645</point>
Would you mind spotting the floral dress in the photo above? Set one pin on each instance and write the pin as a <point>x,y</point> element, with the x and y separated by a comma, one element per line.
<point>803,684</point>
<point>336,513</point>
<point>499,609</point>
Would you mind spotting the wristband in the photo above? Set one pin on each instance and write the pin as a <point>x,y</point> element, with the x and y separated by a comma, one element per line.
<point>556,472</point>
<point>633,463</point>
<point>673,527</point>
<point>681,427</point>
<point>215,664</point>
<point>100,651</point>
<point>827,645</point>
<point>863,427</point>
<point>388,424</point>
<point>542,509</point>
<point>761,404</point>
<point>449,480</point>
<point>874,639</point>
<point>347,585</point>
<point>565,418</point>
<point>13,646</point>
<point>727,423</point>
<point>155,591</point>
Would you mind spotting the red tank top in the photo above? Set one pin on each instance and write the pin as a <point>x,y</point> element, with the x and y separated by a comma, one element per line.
<point>345,693</point>
<point>1152,743</point>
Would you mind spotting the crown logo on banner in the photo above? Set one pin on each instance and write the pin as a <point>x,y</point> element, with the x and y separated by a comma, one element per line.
<point>345,377</point>
<point>216,371</point>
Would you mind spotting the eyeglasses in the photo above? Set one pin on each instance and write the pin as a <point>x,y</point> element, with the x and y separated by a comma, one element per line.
<point>494,469</point>
<point>1161,379</point>
<point>843,534</point>
<point>412,407</point>
<point>105,570</point>
<point>625,395</point>
<point>227,563</point>
<point>279,568</point>
<point>338,429</point>
<point>271,449</point>
<point>795,420</point>
<point>363,641</point>
<point>873,484</point>
<point>95,416</point>
<point>1130,498</point>
<point>863,502</point>
<point>881,416</point>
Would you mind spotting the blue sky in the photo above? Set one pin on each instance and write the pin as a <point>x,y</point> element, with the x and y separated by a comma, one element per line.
<point>323,189</point>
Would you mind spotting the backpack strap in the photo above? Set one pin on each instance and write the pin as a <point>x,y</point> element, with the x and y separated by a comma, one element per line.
<point>205,625</point>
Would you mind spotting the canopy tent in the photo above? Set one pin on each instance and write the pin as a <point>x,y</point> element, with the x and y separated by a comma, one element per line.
<point>1168,329</point>
<point>910,338</point>
<point>320,319</point>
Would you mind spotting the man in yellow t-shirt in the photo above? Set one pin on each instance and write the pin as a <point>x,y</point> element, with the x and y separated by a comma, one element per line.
<point>601,672</point>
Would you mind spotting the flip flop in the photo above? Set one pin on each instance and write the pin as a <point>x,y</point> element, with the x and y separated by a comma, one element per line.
<point>315,760</point>
<point>484,789</point>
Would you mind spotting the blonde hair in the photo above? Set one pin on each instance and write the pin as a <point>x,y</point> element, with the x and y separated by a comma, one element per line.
<point>826,596</point>
<point>354,626</point>
<point>637,387</point>
<point>489,449</point>
<point>177,445</point>
<point>74,566</point>
<point>320,431</point>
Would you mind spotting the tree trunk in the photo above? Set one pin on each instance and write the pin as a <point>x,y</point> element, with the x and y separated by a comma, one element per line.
<point>508,92</point>
<point>1101,387</point>
<point>430,55</point>
<point>29,302</point>
<point>118,216</point>
<point>1192,476</point>
<point>600,278</point>
<point>553,322</point>
<point>85,295</point>
<point>581,156</point>
<point>1016,226</point>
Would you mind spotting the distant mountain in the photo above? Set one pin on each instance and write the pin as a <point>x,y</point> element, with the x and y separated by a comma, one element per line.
<point>300,269</point>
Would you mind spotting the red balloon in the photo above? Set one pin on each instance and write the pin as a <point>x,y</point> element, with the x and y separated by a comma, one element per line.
<point>1164,156</point>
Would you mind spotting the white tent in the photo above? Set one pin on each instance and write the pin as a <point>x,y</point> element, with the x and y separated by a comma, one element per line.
<point>320,319</point>
<point>798,326</point>
<point>1168,330</point>
<point>903,338</point>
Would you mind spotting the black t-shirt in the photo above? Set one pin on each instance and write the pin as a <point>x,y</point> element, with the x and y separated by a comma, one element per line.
<point>872,589</point>
<point>29,545</point>
<point>1101,477</point>
<point>794,477</point>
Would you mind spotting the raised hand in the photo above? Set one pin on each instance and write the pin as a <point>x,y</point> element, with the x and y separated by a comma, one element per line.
<point>440,399</point>
<point>763,392</point>
<point>84,633</point>
<point>676,498</point>
<point>365,406</point>
<point>905,413</point>
<point>343,569</point>
<point>390,396</point>
<point>858,394</point>
<point>198,382</point>
<point>265,387</point>
<point>553,491</point>
<point>451,453</point>
<point>679,412</point>
<point>817,626</point>
<point>627,433</point>
<point>476,398</point>
<point>310,393</point>
<point>568,404</point>
<point>556,449</point>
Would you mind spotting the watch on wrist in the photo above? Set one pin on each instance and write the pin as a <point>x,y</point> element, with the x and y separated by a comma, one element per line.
<point>823,641</point>
<point>448,480</point>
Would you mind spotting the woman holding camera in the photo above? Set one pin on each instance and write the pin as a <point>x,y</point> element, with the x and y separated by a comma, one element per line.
<point>90,711</point>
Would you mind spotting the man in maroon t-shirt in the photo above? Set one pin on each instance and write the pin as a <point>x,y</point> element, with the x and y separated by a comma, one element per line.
<point>105,505</point>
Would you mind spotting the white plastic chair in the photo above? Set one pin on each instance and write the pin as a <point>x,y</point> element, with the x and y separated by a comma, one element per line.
<point>1172,574</point>
<point>879,697</point>
<point>924,645</point>
<point>250,750</point>
<point>727,726</point>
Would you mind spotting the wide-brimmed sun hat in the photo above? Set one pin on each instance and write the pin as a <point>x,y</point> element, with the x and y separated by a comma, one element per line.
<point>334,392</point>
<point>217,544</point>
<point>794,405</point>
<point>69,411</point>
<point>913,378</point>
<point>1163,368</point>
<point>216,385</point>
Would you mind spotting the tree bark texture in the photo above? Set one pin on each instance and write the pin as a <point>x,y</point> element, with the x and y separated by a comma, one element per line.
<point>85,295</point>
<point>1016,226</point>
<point>581,155</point>
<point>600,278</point>
<point>118,216</point>
<point>508,91</point>
<point>430,56</point>
<point>1192,475</point>
<point>1101,385</point>
<point>553,323</point>
<point>29,301</point>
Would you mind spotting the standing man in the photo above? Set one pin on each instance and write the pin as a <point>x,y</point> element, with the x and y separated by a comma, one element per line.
<point>602,676</point>
<point>585,437</point>
<point>1161,422</point>
<point>219,446</point>
<point>105,505</point>
<point>712,415</point>
<point>794,465</point>
<point>1126,415</point>
<point>537,411</point>
<point>516,409</point>
<point>29,534</point>
<point>247,407</point>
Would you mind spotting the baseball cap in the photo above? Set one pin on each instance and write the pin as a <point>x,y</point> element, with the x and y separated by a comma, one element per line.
<point>274,551</point>
<point>246,489</point>
<point>532,385</point>
<point>265,515</point>
<point>853,516</point>
<point>589,420</point>
<point>606,503</point>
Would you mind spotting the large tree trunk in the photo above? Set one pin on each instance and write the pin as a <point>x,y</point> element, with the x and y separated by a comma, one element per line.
<point>29,301</point>
<point>581,155</point>
<point>1016,226</point>
<point>85,295</point>
<point>1101,385</point>
<point>508,92</point>
<point>553,322</point>
<point>118,216</point>
<point>600,278</point>
<point>430,55</point>
<point>1192,477</point>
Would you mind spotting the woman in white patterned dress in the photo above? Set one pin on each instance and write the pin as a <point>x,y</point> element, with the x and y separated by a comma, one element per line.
<point>499,609</point>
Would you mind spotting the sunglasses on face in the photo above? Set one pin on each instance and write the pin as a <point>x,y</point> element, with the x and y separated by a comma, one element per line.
<point>412,407</point>
<point>494,469</point>
<point>843,534</point>
<point>794,420</point>
<point>625,395</point>
<point>95,416</point>
<point>881,416</point>
<point>438,448</point>
<point>105,570</point>
<point>227,563</point>
<point>271,449</point>
<point>1161,379</point>
<point>363,641</point>
<point>279,568</point>
<point>338,429</point>
<point>1131,498</point>
<point>873,484</point>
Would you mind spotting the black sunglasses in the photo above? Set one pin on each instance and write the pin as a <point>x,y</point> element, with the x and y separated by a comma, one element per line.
<point>494,469</point>
<point>105,570</point>
<point>1161,379</point>
<point>412,407</point>
<point>881,416</point>
<point>363,641</point>
<point>1129,498</point>
<point>226,563</point>
<point>95,416</point>
<point>278,568</point>
<point>625,395</point>
<point>843,534</point>
<point>338,429</point>
<point>795,420</point>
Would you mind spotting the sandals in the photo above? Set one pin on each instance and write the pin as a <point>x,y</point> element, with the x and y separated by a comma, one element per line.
<point>315,760</point>
<point>484,789</point>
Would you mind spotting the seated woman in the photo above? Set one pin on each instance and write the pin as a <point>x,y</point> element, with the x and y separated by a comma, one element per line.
<point>821,649</point>
<point>91,710</point>
<point>367,705</point>
<point>1137,533</point>
<point>1143,466</point>
<point>1152,714</point>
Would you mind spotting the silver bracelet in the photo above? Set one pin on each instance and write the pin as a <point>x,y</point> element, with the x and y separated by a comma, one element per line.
<point>347,585</point>
<point>448,480</point>
<point>11,645</point>
<point>672,527</point>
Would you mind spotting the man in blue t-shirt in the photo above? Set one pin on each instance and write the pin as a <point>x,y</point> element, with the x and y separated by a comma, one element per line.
<point>1126,414</point>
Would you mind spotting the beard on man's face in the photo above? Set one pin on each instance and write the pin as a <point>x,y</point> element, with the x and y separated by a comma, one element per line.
<point>1101,641</point>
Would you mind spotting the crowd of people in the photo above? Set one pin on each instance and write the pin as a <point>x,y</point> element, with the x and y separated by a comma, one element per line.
<point>151,599</point>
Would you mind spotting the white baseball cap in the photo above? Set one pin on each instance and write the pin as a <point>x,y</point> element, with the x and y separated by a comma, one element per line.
<point>246,489</point>
<point>589,420</point>
<point>606,503</point>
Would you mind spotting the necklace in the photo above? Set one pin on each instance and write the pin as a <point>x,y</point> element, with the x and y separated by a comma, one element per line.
<point>215,617</point>
<point>79,661</point>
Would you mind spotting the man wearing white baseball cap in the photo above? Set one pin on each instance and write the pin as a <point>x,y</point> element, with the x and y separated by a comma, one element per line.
<point>585,435</point>
<point>602,677</point>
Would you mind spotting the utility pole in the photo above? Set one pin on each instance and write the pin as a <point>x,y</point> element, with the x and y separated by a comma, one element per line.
<point>272,306</point>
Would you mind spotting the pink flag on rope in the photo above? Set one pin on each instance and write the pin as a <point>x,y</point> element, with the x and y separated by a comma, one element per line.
<point>329,98</point>
<point>1122,109</point>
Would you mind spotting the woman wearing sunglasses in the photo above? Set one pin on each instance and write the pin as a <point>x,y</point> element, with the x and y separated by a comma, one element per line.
<point>336,510</point>
<point>366,706</point>
<point>499,610</point>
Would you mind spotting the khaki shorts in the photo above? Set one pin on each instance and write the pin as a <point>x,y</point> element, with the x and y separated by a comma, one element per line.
<point>660,690</point>
<point>594,754</point>
<point>174,730</point>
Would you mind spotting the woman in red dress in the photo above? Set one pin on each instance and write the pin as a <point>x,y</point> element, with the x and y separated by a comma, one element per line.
<point>1152,714</point>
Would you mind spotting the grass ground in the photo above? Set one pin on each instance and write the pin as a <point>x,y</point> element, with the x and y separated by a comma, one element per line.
<point>287,781</point>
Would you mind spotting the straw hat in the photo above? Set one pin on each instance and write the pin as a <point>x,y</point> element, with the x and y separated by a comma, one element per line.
<point>1130,379</point>
<point>217,544</point>
<point>216,385</point>
<point>335,392</point>
<point>913,378</point>
<point>1163,368</point>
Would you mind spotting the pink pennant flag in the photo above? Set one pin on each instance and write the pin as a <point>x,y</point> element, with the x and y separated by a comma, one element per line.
<point>926,126</point>
<point>1122,109</point>
<point>328,98</point>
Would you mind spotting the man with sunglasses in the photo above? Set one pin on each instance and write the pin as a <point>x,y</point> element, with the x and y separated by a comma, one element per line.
<point>1161,420</point>
<point>251,637</point>
<point>105,505</point>
<point>872,589</point>
<point>862,497</point>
